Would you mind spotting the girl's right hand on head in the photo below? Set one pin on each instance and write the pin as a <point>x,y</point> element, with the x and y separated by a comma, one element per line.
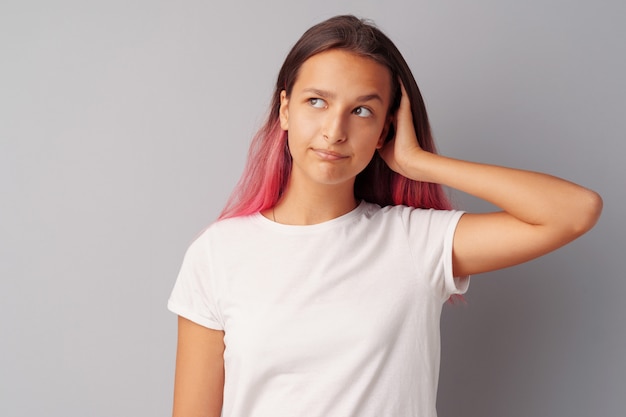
<point>404,147</point>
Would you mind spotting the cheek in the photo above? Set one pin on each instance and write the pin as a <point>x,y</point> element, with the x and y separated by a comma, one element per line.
<point>365,149</point>
<point>371,137</point>
<point>301,128</point>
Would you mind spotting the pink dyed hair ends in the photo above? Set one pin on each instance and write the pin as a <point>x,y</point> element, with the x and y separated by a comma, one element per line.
<point>268,166</point>
<point>265,174</point>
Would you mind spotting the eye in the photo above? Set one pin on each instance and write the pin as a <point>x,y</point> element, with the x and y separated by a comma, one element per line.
<point>318,103</point>
<point>362,112</point>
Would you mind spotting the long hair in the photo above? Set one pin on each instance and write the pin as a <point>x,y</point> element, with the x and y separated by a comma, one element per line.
<point>268,167</point>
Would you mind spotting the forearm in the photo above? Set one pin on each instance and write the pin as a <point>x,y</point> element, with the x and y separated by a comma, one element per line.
<point>534,198</point>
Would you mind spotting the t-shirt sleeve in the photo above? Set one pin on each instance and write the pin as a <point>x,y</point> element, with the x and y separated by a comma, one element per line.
<point>194,296</point>
<point>431,234</point>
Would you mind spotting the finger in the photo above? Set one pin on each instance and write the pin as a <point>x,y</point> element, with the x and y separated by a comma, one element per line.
<point>404,100</point>
<point>404,117</point>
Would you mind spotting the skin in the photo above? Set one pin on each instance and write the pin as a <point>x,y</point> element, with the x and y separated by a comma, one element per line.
<point>199,379</point>
<point>332,138</point>
<point>337,117</point>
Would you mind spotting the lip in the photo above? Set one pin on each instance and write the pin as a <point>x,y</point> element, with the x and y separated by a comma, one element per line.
<point>328,155</point>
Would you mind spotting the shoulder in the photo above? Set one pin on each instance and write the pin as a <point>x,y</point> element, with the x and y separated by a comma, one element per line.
<point>422,227</point>
<point>407,214</point>
<point>221,231</point>
<point>230,225</point>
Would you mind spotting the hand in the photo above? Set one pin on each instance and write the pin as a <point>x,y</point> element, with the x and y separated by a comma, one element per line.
<point>404,147</point>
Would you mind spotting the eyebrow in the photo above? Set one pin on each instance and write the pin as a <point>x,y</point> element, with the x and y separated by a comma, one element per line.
<point>328,94</point>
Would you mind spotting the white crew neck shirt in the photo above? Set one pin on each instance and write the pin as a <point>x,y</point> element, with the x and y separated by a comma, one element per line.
<point>336,319</point>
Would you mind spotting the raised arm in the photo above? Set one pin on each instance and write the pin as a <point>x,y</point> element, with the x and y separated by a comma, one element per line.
<point>199,381</point>
<point>539,212</point>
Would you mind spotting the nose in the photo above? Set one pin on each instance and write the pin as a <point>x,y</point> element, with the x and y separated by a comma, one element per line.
<point>335,127</point>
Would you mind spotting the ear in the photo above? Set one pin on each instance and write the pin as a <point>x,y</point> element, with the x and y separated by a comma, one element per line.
<point>385,132</point>
<point>284,110</point>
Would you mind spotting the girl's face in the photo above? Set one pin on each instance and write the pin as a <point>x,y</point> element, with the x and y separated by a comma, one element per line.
<point>336,117</point>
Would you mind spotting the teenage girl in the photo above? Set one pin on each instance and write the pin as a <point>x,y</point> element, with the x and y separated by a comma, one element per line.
<point>318,292</point>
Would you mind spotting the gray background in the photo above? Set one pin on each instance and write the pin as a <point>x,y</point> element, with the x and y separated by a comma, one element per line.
<point>124,125</point>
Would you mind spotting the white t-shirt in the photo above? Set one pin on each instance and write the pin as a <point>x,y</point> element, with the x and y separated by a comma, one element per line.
<point>337,319</point>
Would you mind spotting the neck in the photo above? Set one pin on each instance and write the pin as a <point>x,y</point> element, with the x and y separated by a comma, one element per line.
<point>299,206</point>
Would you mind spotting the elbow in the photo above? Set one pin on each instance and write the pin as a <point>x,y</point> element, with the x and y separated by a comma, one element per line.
<point>589,208</point>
